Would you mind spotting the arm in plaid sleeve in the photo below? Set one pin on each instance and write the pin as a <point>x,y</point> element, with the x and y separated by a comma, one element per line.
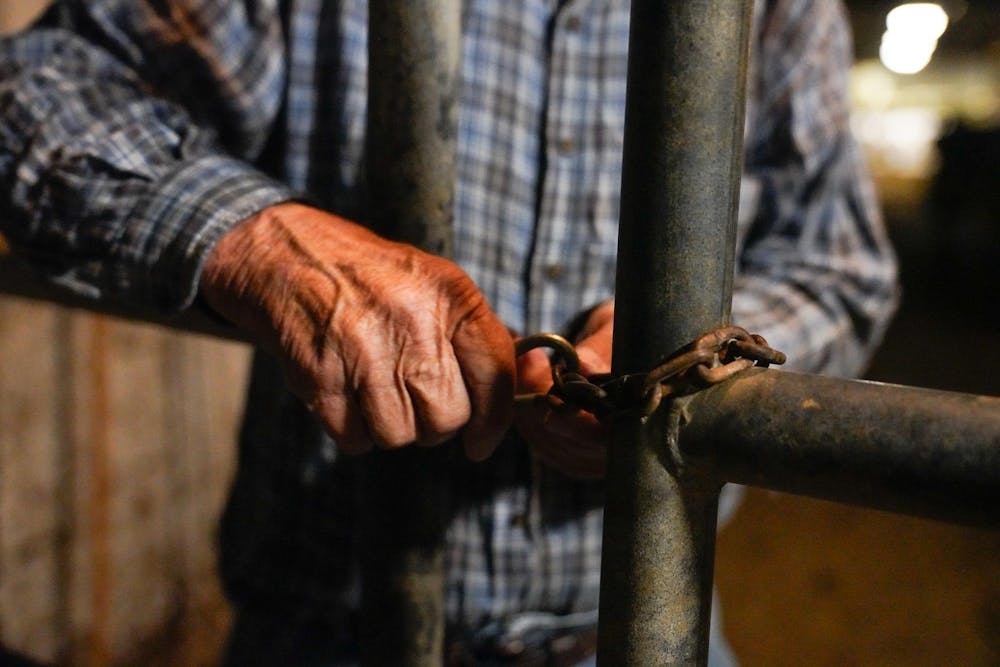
<point>816,275</point>
<point>123,142</point>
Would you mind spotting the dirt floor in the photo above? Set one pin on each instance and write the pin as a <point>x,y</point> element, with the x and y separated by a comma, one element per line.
<point>806,582</point>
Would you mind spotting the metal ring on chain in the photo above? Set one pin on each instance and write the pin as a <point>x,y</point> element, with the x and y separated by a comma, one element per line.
<point>711,359</point>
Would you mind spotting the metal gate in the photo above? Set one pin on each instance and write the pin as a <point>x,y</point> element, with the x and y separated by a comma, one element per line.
<point>904,449</point>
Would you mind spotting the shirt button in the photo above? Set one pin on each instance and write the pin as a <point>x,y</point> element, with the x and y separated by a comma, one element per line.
<point>565,145</point>
<point>554,271</point>
<point>573,23</point>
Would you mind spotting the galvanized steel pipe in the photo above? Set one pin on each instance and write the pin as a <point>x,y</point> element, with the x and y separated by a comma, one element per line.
<point>916,451</point>
<point>413,60</point>
<point>680,188</point>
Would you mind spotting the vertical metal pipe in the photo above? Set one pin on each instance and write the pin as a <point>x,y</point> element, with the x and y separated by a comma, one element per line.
<point>413,59</point>
<point>680,189</point>
<point>413,85</point>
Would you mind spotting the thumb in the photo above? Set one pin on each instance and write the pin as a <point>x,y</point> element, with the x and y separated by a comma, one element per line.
<point>534,372</point>
<point>595,352</point>
<point>486,357</point>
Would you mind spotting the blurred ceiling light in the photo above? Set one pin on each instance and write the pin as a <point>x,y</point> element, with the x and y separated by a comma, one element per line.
<point>903,54</point>
<point>926,19</point>
<point>911,35</point>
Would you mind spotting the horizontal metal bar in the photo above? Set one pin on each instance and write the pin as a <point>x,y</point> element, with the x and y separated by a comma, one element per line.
<point>903,449</point>
<point>17,280</point>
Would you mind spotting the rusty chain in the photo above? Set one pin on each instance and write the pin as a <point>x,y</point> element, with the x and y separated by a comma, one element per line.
<point>709,360</point>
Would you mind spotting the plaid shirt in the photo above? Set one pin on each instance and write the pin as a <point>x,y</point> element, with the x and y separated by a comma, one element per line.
<point>133,135</point>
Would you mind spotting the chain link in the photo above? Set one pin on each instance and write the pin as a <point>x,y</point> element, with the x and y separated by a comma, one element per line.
<point>711,359</point>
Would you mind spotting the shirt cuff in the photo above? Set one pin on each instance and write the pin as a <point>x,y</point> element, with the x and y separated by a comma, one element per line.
<point>179,224</point>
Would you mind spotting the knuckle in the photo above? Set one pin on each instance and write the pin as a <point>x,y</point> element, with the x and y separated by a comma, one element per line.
<point>443,424</point>
<point>394,439</point>
<point>424,366</point>
<point>391,430</point>
<point>439,396</point>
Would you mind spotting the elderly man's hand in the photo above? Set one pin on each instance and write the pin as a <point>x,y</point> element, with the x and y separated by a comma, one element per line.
<point>388,345</point>
<point>570,441</point>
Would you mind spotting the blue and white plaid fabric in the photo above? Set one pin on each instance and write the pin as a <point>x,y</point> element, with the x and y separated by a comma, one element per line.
<point>132,135</point>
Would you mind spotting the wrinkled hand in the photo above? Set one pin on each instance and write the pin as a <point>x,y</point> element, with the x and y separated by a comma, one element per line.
<point>570,441</point>
<point>386,344</point>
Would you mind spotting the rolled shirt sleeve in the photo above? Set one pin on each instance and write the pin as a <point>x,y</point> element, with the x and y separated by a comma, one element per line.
<point>112,187</point>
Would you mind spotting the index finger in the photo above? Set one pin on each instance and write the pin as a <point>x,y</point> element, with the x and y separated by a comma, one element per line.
<point>485,354</point>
